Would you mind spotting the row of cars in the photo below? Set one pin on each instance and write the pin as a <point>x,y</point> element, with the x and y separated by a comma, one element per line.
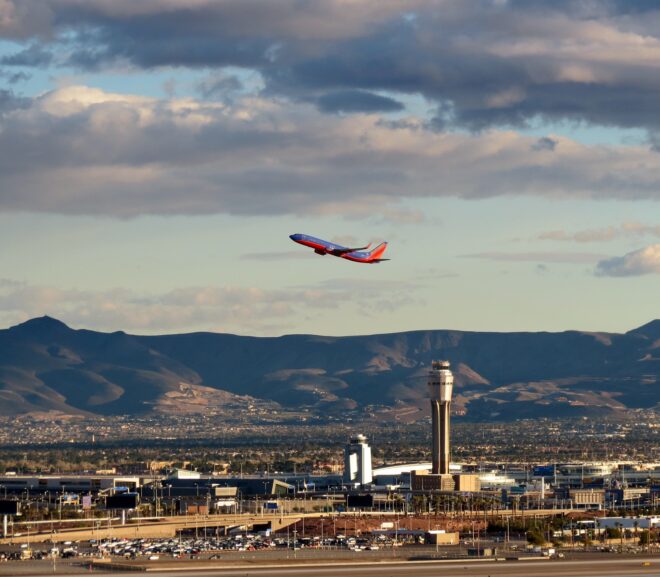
<point>181,547</point>
<point>192,547</point>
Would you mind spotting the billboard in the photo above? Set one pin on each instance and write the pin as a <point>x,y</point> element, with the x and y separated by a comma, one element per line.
<point>8,507</point>
<point>360,501</point>
<point>544,471</point>
<point>122,501</point>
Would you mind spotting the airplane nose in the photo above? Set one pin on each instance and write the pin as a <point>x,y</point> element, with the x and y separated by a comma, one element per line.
<point>294,236</point>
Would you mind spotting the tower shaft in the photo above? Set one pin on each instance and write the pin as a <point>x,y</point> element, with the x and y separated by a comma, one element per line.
<point>441,433</point>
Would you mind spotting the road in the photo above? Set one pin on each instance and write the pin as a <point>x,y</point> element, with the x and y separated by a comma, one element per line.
<point>611,567</point>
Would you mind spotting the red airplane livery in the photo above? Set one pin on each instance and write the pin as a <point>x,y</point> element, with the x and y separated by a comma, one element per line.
<point>323,247</point>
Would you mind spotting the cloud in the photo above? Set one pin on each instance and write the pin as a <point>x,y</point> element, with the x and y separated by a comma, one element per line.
<point>481,64</point>
<point>82,150</point>
<point>545,143</point>
<point>639,262</point>
<point>33,56</point>
<point>357,101</point>
<point>239,309</point>
<point>15,77</point>
<point>219,85</point>
<point>376,297</point>
<point>398,215</point>
<point>9,101</point>
<point>543,257</point>
<point>626,230</point>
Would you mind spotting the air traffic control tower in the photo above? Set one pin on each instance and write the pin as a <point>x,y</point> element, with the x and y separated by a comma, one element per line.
<point>441,385</point>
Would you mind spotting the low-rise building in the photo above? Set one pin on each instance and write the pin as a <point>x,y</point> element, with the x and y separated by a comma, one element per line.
<point>441,537</point>
<point>628,522</point>
<point>587,497</point>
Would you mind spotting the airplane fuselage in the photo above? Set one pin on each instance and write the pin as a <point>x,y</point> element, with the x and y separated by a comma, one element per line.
<point>324,247</point>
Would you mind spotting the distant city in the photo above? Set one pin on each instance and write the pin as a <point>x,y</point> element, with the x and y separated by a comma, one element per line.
<point>553,484</point>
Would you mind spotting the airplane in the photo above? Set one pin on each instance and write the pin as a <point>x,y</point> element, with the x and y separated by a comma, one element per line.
<point>323,247</point>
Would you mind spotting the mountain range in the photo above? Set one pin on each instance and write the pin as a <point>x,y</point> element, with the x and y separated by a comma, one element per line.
<point>47,366</point>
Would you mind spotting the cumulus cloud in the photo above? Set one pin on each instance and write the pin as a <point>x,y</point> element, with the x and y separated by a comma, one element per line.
<point>639,262</point>
<point>482,64</point>
<point>82,150</point>
<point>625,230</point>
<point>240,309</point>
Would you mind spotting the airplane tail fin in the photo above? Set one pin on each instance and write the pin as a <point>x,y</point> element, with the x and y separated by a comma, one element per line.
<point>378,251</point>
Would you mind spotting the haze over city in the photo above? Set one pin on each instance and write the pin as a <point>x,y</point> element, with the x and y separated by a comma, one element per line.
<point>156,156</point>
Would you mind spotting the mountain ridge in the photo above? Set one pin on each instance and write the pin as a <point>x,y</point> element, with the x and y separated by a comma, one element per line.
<point>45,365</point>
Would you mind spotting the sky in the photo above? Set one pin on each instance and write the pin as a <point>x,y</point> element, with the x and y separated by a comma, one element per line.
<point>155,156</point>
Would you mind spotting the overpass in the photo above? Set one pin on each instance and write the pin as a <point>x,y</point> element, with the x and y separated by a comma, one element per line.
<point>171,526</point>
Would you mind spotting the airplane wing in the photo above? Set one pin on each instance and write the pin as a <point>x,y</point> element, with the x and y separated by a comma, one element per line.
<point>340,251</point>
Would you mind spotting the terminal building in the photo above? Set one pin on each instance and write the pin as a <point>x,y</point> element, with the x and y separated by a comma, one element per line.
<point>10,483</point>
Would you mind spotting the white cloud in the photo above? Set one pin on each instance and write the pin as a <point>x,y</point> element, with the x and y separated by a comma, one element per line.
<point>639,262</point>
<point>80,150</point>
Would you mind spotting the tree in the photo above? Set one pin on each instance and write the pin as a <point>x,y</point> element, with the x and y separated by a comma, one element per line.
<point>535,536</point>
<point>612,533</point>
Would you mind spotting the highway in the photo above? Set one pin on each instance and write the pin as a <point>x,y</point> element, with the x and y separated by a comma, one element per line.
<point>610,567</point>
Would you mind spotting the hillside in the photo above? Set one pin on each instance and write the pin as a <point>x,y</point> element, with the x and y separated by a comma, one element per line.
<point>45,365</point>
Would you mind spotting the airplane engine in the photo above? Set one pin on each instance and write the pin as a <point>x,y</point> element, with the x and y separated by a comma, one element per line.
<point>319,251</point>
